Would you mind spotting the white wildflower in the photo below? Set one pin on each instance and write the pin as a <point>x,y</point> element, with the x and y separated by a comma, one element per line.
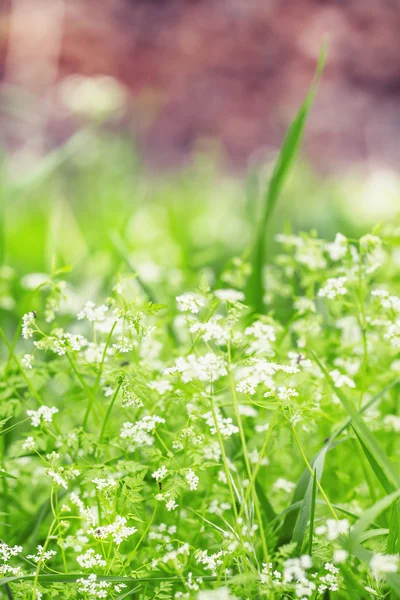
<point>284,484</point>
<point>340,556</point>
<point>27,360</point>
<point>380,564</point>
<point>118,531</point>
<point>333,287</point>
<point>160,473</point>
<point>42,555</point>
<point>341,380</point>
<point>93,313</point>
<point>192,479</point>
<point>190,302</point>
<point>211,331</point>
<point>229,295</point>
<point>27,320</point>
<point>43,414</point>
<point>90,560</point>
<point>29,444</point>
<point>338,248</point>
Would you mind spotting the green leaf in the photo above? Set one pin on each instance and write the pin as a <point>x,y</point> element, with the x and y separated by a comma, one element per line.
<point>303,487</point>
<point>307,509</point>
<point>265,504</point>
<point>380,459</point>
<point>312,515</point>
<point>286,157</point>
<point>387,486</point>
<point>4,474</point>
<point>369,516</point>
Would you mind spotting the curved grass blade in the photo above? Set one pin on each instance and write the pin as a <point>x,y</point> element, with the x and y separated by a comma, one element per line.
<point>312,515</point>
<point>381,461</point>
<point>307,509</point>
<point>369,516</point>
<point>286,157</point>
<point>299,496</point>
<point>387,486</point>
<point>292,511</point>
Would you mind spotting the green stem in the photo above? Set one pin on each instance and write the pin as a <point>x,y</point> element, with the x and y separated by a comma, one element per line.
<point>109,409</point>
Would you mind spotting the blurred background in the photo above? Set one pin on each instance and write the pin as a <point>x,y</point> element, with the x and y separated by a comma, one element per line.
<point>144,131</point>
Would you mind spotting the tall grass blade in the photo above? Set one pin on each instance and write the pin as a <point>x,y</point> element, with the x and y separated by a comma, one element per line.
<point>387,486</point>
<point>286,157</point>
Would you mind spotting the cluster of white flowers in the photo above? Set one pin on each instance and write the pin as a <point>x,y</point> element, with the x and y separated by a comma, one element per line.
<point>261,372</point>
<point>262,336</point>
<point>330,580</point>
<point>212,562</point>
<point>44,414</point>
<point>371,247</point>
<point>160,473</point>
<point>387,300</point>
<point>27,320</point>
<point>6,551</point>
<point>337,249</point>
<point>87,514</point>
<point>380,564</point>
<point>61,476</point>
<point>118,530</point>
<point>333,528</point>
<point>192,479</point>
<point>93,313</point>
<point>204,368</point>
<point>393,334</point>
<point>61,342</point>
<point>90,560</point>
<point>161,386</point>
<point>211,331</point>
<point>190,302</point>
<point>104,485</point>
<point>98,589</point>
<point>229,295</point>
<point>42,555</point>
<point>27,360</point>
<point>333,287</point>
<point>392,422</point>
<point>340,380</point>
<point>285,485</point>
<point>139,432</point>
<point>217,422</point>
<point>170,503</point>
<point>29,444</point>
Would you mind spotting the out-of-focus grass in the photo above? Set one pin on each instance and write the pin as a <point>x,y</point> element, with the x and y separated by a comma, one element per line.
<point>69,208</point>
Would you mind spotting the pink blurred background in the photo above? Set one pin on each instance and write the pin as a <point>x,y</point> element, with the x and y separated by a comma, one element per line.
<point>231,72</point>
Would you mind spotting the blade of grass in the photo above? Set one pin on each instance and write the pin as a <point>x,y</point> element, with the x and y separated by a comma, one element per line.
<point>369,516</point>
<point>393,543</point>
<point>387,486</point>
<point>381,461</point>
<point>286,157</point>
<point>301,488</point>
<point>72,578</point>
<point>312,515</point>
